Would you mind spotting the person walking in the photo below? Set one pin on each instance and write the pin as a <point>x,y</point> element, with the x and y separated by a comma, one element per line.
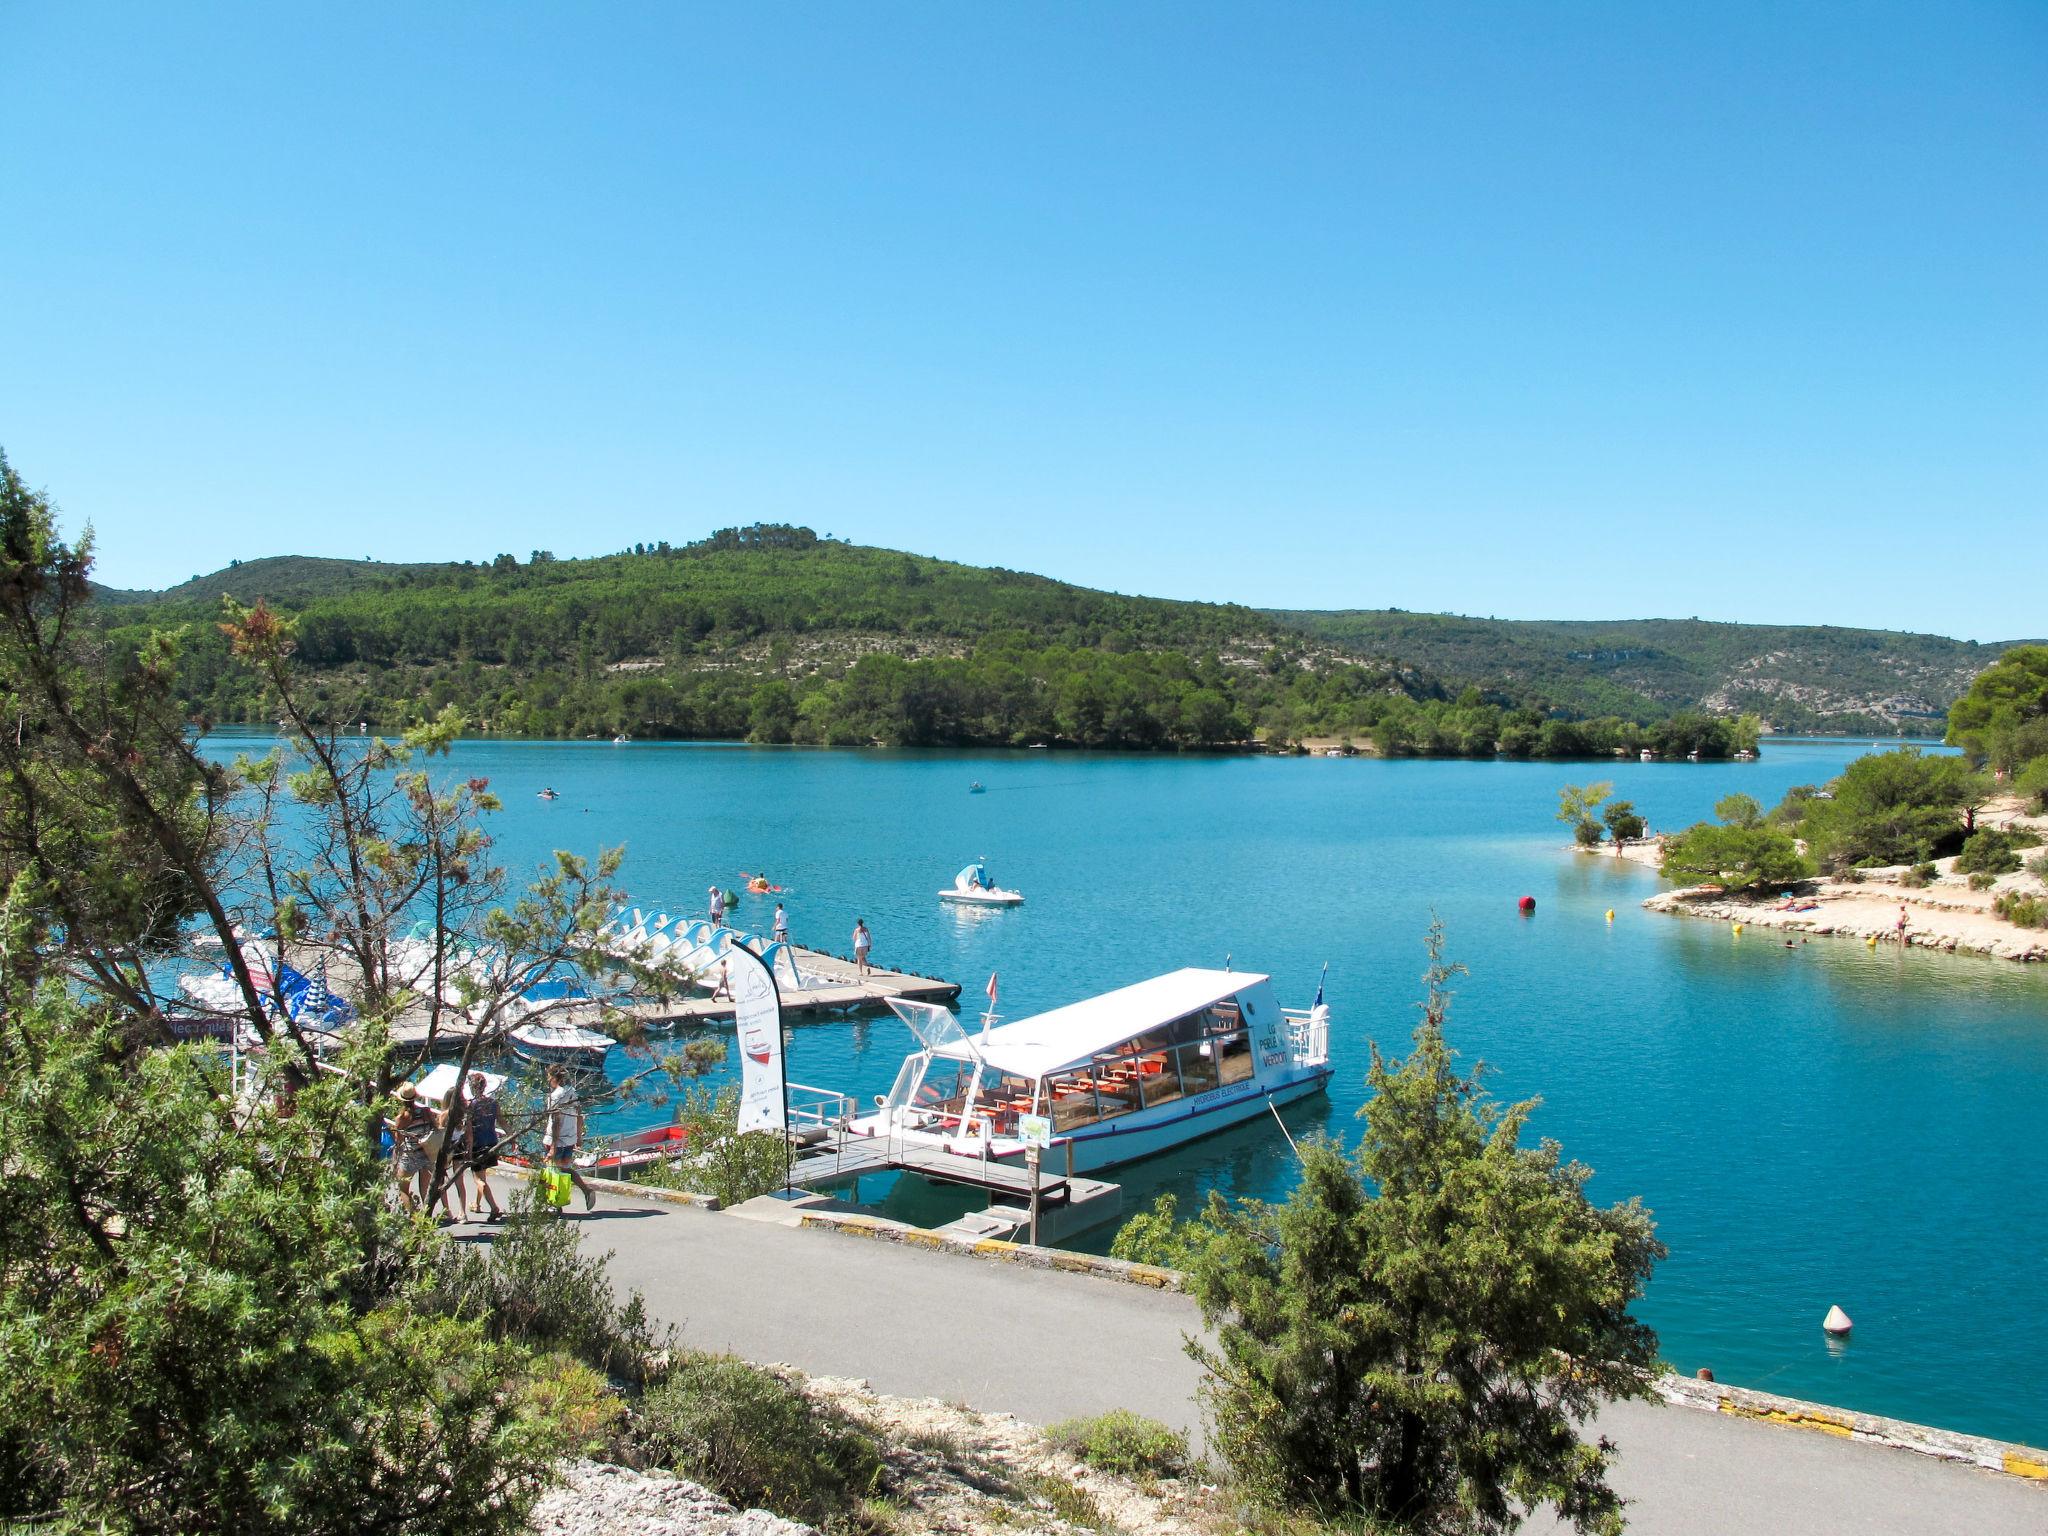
<point>448,1131</point>
<point>724,988</point>
<point>717,907</point>
<point>408,1144</point>
<point>863,941</point>
<point>565,1132</point>
<point>481,1144</point>
<point>780,934</point>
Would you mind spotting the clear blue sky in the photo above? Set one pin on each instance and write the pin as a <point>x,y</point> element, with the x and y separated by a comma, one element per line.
<point>1736,310</point>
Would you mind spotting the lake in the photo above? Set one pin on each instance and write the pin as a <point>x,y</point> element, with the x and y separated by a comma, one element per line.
<point>1813,1126</point>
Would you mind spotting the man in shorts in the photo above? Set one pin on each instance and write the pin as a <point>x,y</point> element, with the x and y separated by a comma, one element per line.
<point>564,1132</point>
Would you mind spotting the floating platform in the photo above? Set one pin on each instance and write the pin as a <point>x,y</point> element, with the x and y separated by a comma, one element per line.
<point>832,986</point>
<point>1066,1203</point>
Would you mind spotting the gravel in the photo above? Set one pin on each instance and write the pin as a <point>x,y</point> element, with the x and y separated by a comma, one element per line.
<point>594,1499</point>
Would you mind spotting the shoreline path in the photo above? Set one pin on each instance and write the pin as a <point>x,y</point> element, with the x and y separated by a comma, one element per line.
<point>1046,1345</point>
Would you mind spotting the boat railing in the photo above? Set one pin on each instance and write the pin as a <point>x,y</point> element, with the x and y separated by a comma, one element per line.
<point>818,1108</point>
<point>1308,1036</point>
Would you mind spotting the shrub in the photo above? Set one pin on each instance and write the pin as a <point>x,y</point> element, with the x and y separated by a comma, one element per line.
<point>227,1360</point>
<point>1159,1237</point>
<point>1917,876</point>
<point>757,1440</point>
<point>722,1161</point>
<point>2022,911</point>
<point>1623,824</point>
<point>585,1412</point>
<point>1993,853</point>
<point>1125,1443</point>
<point>535,1285</point>
<point>1733,857</point>
<point>2037,866</point>
<point>1981,881</point>
<point>1587,834</point>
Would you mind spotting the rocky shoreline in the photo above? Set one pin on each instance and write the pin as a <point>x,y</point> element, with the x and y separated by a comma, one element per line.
<point>1944,914</point>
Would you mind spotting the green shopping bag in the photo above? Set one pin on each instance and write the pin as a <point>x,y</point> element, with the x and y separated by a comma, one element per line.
<point>555,1187</point>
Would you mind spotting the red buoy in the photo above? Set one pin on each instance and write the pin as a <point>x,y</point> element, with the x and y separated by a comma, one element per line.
<point>1526,905</point>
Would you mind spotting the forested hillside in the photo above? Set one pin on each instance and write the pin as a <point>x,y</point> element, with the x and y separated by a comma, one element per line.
<point>773,634</point>
<point>1795,677</point>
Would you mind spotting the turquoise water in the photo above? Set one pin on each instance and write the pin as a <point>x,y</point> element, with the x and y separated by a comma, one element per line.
<point>1811,1126</point>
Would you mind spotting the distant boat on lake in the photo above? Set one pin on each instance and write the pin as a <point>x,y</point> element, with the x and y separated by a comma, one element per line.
<point>973,887</point>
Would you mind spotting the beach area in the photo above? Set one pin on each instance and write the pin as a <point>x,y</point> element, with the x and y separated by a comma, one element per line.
<point>1944,914</point>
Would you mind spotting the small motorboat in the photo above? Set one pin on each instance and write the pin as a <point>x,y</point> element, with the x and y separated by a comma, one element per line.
<point>567,1045</point>
<point>550,794</point>
<point>972,887</point>
<point>977,788</point>
<point>637,1150</point>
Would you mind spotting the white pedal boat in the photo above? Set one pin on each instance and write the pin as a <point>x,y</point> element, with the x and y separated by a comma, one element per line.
<point>972,887</point>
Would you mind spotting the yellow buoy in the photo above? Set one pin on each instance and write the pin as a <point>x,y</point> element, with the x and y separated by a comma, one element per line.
<point>1738,930</point>
<point>1871,941</point>
<point>1610,914</point>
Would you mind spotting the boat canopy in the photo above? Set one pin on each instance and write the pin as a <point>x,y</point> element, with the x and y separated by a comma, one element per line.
<point>937,1028</point>
<point>1047,1042</point>
<point>973,877</point>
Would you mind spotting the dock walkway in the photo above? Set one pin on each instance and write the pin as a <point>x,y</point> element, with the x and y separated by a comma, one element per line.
<point>855,1157</point>
<point>832,987</point>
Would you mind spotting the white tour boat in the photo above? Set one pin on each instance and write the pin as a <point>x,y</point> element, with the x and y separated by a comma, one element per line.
<point>973,887</point>
<point>1120,1076</point>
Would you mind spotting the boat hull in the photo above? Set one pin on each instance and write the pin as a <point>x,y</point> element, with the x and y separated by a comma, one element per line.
<point>587,1057</point>
<point>1147,1133</point>
<point>1117,1142</point>
<point>984,898</point>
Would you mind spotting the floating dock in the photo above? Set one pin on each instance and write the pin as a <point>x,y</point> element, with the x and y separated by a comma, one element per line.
<point>1067,1203</point>
<point>832,987</point>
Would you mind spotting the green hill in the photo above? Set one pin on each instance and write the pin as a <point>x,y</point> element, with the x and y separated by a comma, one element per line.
<point>767,632</point>
<point>285,580</point>
<point>1797,678</point>
<point>774,634</point>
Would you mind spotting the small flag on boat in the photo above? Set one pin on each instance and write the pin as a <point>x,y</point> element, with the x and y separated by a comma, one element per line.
<point>1319,987</point>
<point>991,991</point>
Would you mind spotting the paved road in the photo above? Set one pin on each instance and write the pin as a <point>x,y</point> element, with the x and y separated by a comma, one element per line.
<point>1048,1346</point>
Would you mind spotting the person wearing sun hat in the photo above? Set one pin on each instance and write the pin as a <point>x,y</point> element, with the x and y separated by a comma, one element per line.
<point>409,1129</point>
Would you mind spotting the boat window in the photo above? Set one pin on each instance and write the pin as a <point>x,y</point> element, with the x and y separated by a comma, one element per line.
<point>1003,1097</point>
<point>942,1096</point>
<point>1198,1067</point>
<point>906,1081</point>
<point>1235,1052</point>
<point>1080,1096</point>
<point>1159,1077</point>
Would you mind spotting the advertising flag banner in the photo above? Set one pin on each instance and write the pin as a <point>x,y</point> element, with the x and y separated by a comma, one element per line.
<point>757,1018</point>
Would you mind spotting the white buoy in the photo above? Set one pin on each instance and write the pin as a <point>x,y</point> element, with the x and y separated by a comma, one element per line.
<point>1837,1321</point>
